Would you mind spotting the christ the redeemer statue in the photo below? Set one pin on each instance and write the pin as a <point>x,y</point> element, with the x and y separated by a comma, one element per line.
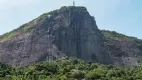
<point>73,3</point>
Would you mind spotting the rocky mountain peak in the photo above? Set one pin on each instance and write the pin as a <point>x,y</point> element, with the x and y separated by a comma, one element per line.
<point>68,31</point>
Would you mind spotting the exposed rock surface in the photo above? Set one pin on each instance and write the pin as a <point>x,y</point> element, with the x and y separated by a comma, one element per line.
<point>69,31</point>
<point>125,50</point>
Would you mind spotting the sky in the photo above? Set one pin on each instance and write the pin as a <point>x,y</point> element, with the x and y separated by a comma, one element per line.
<point>123,16</point>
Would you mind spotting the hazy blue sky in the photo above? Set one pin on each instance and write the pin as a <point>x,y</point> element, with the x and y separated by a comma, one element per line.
<point>124,16</point>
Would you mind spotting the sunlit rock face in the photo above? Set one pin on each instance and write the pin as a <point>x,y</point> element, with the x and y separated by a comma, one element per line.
<point>69,31</point>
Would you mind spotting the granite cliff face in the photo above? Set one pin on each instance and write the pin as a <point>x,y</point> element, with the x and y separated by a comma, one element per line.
<point>69,31</point>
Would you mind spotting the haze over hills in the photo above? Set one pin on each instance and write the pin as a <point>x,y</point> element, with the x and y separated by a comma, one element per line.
<point>70,31</point>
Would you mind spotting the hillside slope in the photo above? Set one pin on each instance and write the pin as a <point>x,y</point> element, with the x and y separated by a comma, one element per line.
<point>124,50</point>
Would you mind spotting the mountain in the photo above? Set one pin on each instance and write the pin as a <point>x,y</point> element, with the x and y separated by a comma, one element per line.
<point>69,31</point>
<point>124,50</point>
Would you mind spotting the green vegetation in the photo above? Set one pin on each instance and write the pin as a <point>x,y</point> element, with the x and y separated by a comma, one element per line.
<point>118,42</point>
<point>21,30</point>
<point>113,35</point>
<point>78,9</point>
<point>8,35</point>
<point>27,26</point>
<point>70,69</point>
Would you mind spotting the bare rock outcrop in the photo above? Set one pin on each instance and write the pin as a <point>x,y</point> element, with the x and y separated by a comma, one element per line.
<point>69,31</point>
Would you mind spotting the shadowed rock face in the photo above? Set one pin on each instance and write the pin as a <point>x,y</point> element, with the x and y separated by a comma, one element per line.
<point>69,31</point>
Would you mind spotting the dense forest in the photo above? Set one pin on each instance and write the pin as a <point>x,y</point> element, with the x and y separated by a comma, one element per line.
<point>70,69</point>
